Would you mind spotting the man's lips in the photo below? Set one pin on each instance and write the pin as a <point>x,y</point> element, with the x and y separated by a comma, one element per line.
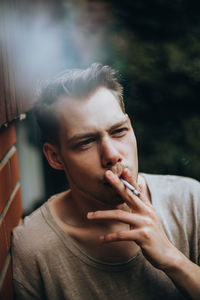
<point>117,170</point>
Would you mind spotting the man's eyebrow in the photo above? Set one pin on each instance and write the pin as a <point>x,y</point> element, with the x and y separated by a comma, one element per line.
<point>81,136</point>
<point>93,134</point>
<point>118,124</point>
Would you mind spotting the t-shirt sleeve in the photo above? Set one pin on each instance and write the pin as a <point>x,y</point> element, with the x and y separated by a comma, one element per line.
<point>196,199</point>
<point>191,196</point>
<point>26,275</point>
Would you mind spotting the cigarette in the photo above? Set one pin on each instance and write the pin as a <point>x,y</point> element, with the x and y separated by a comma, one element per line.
<point>128,185</point>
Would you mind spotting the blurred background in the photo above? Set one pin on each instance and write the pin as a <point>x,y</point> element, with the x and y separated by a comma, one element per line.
<point>155,46</point>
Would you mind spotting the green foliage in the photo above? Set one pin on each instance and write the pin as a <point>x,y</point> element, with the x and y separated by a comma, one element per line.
<point>156,47</point>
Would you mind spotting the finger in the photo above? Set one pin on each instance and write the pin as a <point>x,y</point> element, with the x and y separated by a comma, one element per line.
<point>127,175</point>
<point>130,187</point>
<point>127,235</point>
<point>133,201</point>
<point>114,180</point>
<point>142,195</point>
<point>134,220</point>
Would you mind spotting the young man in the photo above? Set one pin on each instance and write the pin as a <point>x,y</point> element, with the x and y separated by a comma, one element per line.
<point>99,239</point>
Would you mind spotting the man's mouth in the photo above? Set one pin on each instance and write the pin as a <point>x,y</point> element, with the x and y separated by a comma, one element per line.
<point>117,170</point>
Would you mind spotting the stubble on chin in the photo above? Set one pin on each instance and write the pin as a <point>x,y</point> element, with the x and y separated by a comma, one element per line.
<point>108,195</point>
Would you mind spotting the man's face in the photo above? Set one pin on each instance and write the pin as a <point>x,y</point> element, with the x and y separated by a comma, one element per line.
<point>95,136</point>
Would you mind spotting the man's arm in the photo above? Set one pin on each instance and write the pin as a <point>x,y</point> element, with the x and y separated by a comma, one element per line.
<point>186,276</point>
<point>147,231</point>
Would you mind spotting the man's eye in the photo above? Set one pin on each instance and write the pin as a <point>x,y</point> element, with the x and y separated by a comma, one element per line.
<point>120,132</point>
<point>85,143</point>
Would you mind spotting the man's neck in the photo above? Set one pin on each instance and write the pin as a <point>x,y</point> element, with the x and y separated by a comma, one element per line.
<point>72,220</point>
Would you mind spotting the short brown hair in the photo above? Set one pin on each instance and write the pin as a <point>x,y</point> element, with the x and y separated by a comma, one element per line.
<point>75,83</point>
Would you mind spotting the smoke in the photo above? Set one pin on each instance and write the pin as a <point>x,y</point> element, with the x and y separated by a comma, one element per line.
<point>31,44</point>
<point>39,41</point>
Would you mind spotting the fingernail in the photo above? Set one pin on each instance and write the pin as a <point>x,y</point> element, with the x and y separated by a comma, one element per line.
<point>90,214</point>
<point>109,174</point>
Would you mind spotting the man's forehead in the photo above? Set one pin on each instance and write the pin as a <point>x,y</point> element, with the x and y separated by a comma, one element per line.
<point>91,125</point>
<point>98,95</point>
<point>100,111</point>
<point>98,105</point>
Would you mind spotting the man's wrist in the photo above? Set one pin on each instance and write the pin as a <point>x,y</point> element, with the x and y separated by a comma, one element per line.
<point>178,261</point>
<point>175,262</point>
<point>185,274</point>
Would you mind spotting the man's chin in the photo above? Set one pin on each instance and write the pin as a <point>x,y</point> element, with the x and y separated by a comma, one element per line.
<point>113,202</point>
<point>104,194</point>
<point>111,197</point>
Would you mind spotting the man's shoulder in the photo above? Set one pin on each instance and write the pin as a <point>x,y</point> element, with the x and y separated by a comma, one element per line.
<point>33,232</point>
<point>28,228</point>
<point>174,189</point>
<point>173,180</point>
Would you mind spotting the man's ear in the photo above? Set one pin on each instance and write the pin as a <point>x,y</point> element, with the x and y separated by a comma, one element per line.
<point>53,156</point>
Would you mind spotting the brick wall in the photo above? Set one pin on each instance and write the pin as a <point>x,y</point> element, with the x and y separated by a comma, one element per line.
<point>10,205</point>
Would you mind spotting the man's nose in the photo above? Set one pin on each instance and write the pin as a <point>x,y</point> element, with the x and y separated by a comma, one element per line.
<point>109,153</point>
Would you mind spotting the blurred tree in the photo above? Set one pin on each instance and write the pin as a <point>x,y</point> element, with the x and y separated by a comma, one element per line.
<point>156,47</point>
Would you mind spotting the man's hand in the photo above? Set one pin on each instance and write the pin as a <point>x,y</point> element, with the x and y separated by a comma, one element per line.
<point>146,230</point>
<point>145,227</point>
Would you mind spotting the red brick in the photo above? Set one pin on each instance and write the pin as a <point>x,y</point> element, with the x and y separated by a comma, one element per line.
<point>14,168</point>
<point>7,139</point>
<point>3,246</point>
<point>13,214</point>
<point>5,185</point>
<point>6,289</point>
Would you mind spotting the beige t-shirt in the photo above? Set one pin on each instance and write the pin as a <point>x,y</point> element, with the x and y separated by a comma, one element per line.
<point>48,264</point>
